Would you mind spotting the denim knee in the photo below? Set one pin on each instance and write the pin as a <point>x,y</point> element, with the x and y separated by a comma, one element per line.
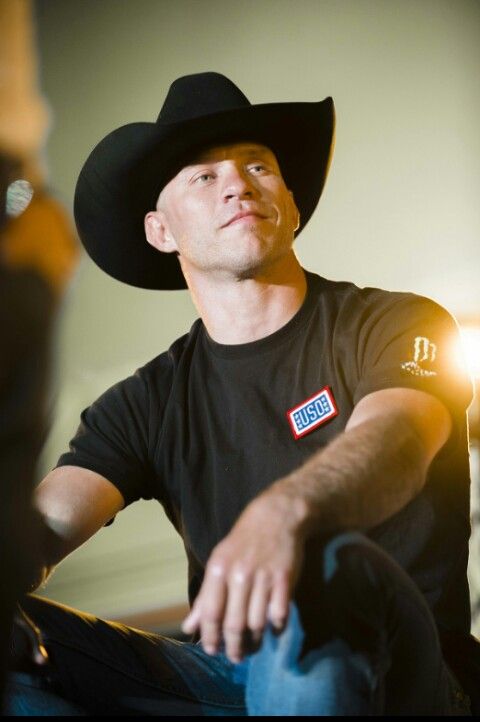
<point>352,589</point>
<point>348,571</point>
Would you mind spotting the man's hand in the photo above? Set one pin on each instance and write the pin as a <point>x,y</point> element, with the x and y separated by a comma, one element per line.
<point>249,578</point>
<point>27,648</point>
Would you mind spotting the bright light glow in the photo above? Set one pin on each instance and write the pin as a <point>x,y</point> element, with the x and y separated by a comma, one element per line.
<point>471,345</point>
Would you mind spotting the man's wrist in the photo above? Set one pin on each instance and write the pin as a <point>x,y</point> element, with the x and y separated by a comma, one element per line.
<point>285,496</point>
<point>39,577</point>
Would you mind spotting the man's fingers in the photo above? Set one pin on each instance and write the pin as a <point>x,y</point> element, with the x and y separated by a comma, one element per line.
<point>26,642</point>
<point>40,655</point>
<point>258,606</point>
<point>191,621</point>
<point>210,607</point>
<point>235,624</point>
<point>279,601</point>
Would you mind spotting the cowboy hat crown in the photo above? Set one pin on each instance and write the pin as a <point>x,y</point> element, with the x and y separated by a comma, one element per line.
<point>192,96</point>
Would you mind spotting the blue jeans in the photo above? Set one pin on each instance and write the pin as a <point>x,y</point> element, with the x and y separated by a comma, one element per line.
<point>364,643</point>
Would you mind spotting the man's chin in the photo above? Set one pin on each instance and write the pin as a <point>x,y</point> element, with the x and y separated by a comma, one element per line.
<point>254,268</point>
<point>249,265</point>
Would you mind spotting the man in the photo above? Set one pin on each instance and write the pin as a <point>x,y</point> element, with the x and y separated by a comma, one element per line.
<point>306,438</point>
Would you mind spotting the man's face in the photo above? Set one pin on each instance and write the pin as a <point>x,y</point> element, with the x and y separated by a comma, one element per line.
<point>228,212</point>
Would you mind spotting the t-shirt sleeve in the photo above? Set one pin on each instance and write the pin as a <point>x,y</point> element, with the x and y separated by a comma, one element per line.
<point>413,342</point>
<point>112,439</point>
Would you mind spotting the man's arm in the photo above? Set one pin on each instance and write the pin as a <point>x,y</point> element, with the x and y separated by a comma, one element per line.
<point>365,475</point>
<point>74,503</point>
<point>375,467</point>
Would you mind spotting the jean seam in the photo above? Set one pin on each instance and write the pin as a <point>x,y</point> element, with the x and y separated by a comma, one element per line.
<point>157,686</point>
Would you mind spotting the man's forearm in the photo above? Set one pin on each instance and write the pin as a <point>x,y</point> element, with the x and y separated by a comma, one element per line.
<point>364,476</point>
<point>25,560</point>
<point>360,479</point>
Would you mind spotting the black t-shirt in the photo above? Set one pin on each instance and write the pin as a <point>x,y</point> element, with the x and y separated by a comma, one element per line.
<point>205,427</point>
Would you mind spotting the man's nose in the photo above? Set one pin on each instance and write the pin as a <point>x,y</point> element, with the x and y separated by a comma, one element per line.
<point>238,184</point>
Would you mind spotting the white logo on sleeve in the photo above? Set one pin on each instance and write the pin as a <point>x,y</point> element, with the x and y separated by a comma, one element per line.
<point>424,351</point>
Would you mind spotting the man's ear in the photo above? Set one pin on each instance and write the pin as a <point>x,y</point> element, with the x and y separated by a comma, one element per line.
<point>296,211</point>
<point>158,233</point>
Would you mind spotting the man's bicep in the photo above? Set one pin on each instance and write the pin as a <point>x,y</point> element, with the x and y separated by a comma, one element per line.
<point>74,503</point>
<point>428,416</point>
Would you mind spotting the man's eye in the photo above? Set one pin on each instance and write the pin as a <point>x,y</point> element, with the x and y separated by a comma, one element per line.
<point>257,168</point>
<point>203,178</point>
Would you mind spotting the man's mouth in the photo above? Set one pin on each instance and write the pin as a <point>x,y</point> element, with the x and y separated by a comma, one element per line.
<point>244,217</point>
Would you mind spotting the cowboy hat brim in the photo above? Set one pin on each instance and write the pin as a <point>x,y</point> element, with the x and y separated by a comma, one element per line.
<point>123,175</point>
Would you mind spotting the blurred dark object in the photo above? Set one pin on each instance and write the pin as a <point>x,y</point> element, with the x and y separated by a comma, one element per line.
<point>38,252</point>
<point>26,314</point>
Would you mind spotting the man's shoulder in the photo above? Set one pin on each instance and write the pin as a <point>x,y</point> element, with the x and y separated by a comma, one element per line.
<point>348,297</point>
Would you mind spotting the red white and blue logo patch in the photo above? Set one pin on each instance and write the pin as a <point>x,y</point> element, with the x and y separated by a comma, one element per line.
<point>312,412</point>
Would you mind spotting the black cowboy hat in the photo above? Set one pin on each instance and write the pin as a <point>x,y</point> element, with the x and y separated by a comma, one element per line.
<point>124,174</point>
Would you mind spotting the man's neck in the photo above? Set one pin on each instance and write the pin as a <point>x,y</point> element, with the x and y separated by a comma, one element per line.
<point>241,311</point>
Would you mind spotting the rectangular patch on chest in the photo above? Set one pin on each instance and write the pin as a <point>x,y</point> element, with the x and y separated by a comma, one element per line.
<point>312,412</point>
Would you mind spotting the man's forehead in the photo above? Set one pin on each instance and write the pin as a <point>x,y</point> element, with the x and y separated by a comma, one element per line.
<point>225,151</point>
<point>217,153</point>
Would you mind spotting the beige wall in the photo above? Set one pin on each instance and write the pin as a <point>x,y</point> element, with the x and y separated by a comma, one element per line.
<point>400,209</point>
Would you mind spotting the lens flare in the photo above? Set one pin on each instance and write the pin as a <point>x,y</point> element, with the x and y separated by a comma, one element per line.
<point>470,336</point>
